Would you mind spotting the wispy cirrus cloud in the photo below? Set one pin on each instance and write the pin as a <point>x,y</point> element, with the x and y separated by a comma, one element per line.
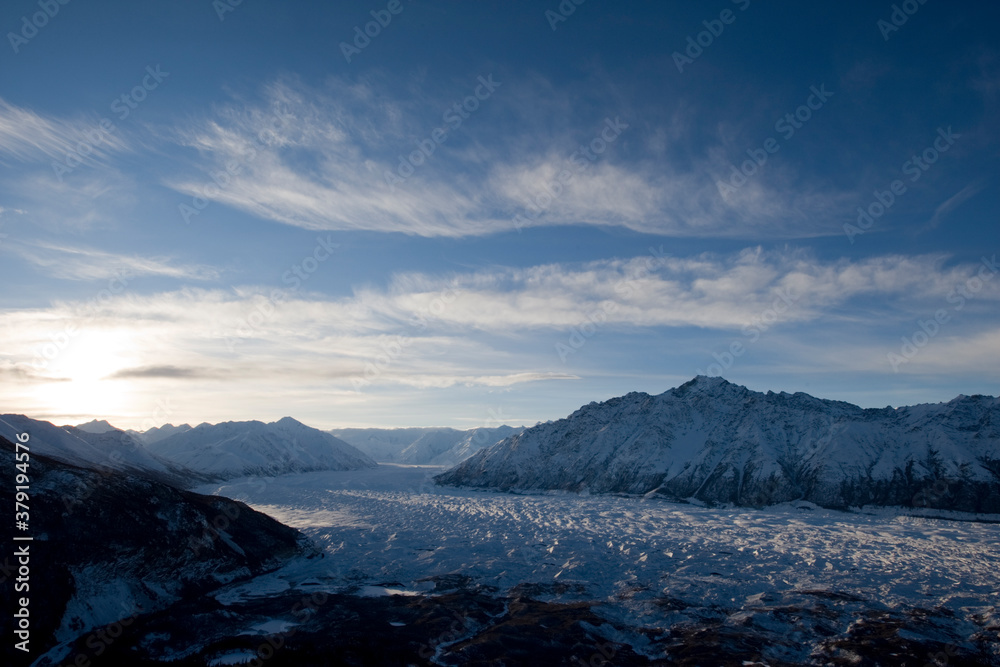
<point>953,202</point>
<point>330,158</point>
<point>82,263</point>
<point>27,136</point>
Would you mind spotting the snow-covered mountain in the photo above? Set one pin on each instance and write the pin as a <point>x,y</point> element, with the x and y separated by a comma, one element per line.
<point>95,448</point>
<point>423,446</point>
<point>157,433</point>
<point>713,441</point>
<point>238,449</point>
<point>96,426</point>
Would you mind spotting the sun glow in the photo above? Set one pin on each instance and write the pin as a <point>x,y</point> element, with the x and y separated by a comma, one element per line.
<point>82,376</point>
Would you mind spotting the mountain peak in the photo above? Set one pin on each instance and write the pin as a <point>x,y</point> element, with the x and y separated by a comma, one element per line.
<point>96,426</point>
<point>702,383</point>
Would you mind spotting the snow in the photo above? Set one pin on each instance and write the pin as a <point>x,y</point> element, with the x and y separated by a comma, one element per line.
<point>96,449</point>
<point>382,591</point>
<point>158,433</point>
<point>272,627</point>
<point>96,426</point>
<point>387,529</point>
<point>233,658</point>
<point>719,442</point>
<point>423,446</point>
<point>236,449</point>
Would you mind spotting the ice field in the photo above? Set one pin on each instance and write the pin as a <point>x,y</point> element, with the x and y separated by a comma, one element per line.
<point>391,527</point>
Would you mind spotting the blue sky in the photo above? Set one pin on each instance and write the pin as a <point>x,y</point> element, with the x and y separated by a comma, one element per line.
<point>491,212</point>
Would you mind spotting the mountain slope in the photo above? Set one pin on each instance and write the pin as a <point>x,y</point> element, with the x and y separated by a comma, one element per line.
<point>109,545</point>
<point>97,448</point>
<point>423,446</point>
<point>157,433</point>
<point>717,442</point>
<point>238,449</point>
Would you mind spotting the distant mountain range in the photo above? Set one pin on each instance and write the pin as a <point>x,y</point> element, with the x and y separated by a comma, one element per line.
<point>94,447</point>
<point>712,441</point>
<point>239,449</point>
<point>156,433</point>
<point>423,446</point>
<point>183,456</point>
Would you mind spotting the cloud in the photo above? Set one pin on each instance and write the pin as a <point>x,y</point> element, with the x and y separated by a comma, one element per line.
<point>174,372</point>
<point>340,158</point>
<point>947,353</point>
<point>712,291</point>
<point>27,136</point>
<point>470,328</point>
<point>79,263</point>
<point>488,331</point>
<point>953,202</point>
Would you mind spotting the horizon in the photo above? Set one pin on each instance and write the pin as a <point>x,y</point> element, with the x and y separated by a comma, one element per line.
<point>230,212</point>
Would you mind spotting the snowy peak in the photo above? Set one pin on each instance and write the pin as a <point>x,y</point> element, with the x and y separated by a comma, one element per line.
<point>95,426</point>
<point>723,443</point>
<point>237,449</point>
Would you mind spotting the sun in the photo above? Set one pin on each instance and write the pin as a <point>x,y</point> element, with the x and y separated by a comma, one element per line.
<point>83,375</point>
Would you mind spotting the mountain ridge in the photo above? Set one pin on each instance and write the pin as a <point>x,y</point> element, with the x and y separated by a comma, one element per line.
<point>717,442</point>
<point>237,449</point>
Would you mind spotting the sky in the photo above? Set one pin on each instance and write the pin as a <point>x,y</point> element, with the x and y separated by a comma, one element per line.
<point>441,213</point>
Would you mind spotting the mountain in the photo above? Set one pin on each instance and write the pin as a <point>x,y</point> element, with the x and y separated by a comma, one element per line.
<point>95,426</point>
<point>96,448</point>
<point>423,446</point>
<point>108,546</point>
<point>712,441</point>
<point>239,449</point>
<point>158,433</point>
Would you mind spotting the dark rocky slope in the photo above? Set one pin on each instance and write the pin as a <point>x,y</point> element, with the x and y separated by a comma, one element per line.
<point>109,546</point>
